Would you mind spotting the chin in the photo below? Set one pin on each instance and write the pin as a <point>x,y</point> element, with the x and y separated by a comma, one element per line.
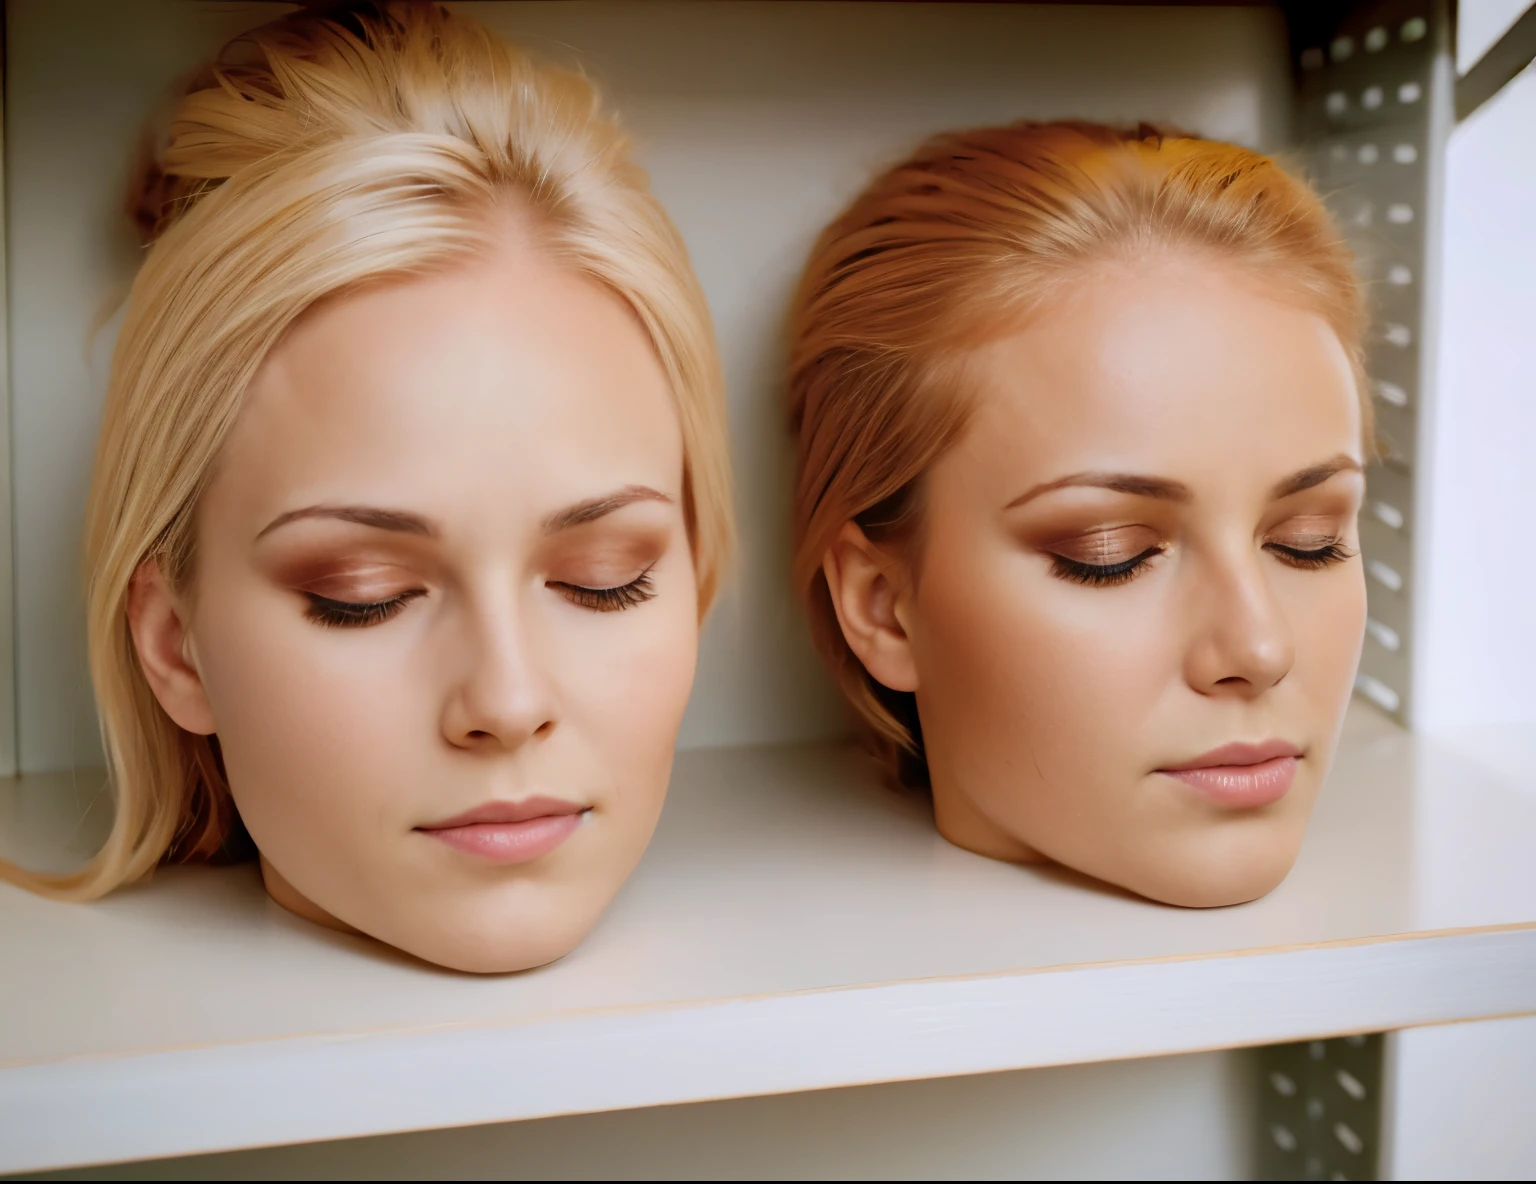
<point>1214,893</point>
<point>485,936</point>
<point>473,961</point>
<point>484,954</point>
<point>1232,878</point>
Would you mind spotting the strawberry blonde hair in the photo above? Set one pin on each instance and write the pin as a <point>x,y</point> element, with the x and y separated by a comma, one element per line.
<point>329,149</point>
<point>958,245</point>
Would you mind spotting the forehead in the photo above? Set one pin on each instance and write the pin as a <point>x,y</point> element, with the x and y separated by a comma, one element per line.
<point>503,388</point>
<point>1172,367</point>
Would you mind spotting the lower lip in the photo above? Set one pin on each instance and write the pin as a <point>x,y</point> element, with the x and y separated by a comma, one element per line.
<point>1241,786</point>
<point>509,842</point>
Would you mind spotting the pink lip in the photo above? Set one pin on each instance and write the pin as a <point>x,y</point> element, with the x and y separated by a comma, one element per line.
<point>1241,775</point>
<point>510,832</point>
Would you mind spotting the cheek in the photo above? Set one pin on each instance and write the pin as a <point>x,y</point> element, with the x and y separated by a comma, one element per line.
<point>1018,668</point>
<point>624,681</point>
<point>1327,614</point>
<point>313,723</point>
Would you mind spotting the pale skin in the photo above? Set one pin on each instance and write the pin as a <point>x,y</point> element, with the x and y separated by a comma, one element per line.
<point>1227,425</point>
<point>492,457</point>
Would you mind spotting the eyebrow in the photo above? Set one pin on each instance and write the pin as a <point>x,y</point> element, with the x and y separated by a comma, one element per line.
<point>600,507</point>
<point>1314,475</point>
<point>1132,483</point>
<point>400,521</point>
<point>404,522</point>
<point>1177,491</point>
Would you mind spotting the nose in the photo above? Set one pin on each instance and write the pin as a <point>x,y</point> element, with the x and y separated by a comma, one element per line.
<point>501,698</point>
<point>1243,644</point>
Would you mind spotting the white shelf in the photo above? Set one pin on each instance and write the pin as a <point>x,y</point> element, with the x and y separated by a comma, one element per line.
<point>793,927</point>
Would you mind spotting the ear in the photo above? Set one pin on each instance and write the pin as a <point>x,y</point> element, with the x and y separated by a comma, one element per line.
<point>869,590</point>
<point>158,624</point>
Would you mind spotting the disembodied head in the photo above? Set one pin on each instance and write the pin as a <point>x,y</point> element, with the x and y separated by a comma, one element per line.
<point>411,493</point>
<point>1079,432</point>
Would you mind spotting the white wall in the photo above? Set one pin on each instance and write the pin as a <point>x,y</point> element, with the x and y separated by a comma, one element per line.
<point>1477,520</point>
<point>1479,24</point>
<point>1169,1118</point>
<point>1462,1097</point>
<point>757,120</point>
<point>1464,1094</point>
<point>1464,1102</point>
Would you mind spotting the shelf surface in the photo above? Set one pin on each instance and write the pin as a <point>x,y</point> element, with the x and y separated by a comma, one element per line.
<point>793,926</point>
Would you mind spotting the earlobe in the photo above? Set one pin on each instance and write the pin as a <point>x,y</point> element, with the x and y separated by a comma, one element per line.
<point>165,650</point>
<point>866,583</point>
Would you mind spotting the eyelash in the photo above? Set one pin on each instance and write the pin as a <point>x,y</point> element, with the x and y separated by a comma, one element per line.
<point>1107,575</point>
<point>1101,575</point>
<point>1331,552</point>
<point>345,614</point>
<point>610,600</point>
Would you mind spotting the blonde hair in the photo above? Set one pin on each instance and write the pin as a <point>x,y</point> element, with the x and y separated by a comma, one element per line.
<point>316,153</point>
<point>956,245</point>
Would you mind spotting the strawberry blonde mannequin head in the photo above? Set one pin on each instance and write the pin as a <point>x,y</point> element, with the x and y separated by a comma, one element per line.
<point>324,161</point>
<point>1021,271</point>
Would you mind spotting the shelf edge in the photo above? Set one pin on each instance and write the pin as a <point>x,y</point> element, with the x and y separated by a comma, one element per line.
<point>306,1089</point>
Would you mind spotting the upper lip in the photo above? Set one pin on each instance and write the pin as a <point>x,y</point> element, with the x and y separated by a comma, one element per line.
<point>1237,753</point>
<point>519,811</point>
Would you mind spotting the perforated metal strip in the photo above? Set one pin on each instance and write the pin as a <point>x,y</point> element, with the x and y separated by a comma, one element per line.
<point>1367,91</point>
<point>1319,1110</point>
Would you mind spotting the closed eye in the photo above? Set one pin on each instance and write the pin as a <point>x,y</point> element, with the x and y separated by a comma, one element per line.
<point>1102,574</point>
<point>323,610</point>
<point>1331,552</point>
<point>609,600</point>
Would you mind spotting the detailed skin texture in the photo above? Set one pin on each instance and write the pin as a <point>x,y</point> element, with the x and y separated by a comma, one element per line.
<point>499,440</point>
<point>1052,708</point>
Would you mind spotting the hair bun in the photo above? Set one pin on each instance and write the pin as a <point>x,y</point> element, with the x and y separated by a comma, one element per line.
<point>238,109</point>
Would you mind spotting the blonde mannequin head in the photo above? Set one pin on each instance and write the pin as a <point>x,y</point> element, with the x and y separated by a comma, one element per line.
<point>320,155</point>
<point>901,340</point>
